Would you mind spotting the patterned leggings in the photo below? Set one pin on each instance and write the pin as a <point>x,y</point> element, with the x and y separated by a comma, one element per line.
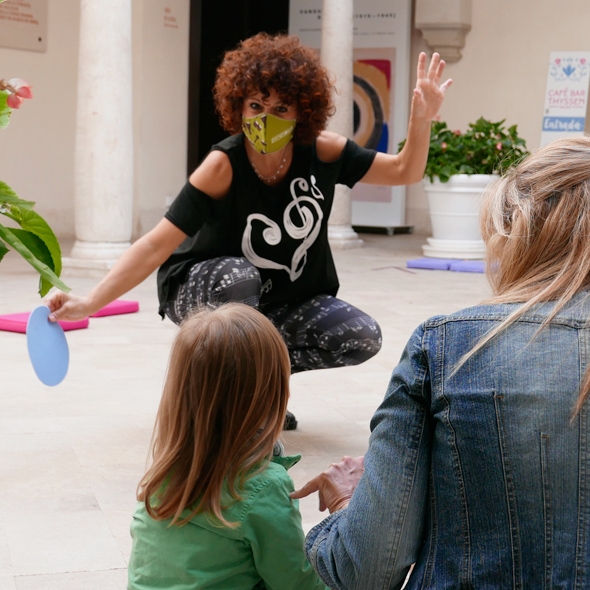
<point>320,333</point>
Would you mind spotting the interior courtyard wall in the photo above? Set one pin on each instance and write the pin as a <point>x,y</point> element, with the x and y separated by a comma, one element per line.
<point>502,74</point>
<point>38,146</point>
<point>503,71</point>
<point>161,53</point>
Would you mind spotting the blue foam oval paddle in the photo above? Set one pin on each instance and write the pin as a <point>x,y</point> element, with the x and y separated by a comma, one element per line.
<point>47,346</point>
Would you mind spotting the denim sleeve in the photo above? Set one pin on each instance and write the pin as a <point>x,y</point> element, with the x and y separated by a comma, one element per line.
<point>373,542</point>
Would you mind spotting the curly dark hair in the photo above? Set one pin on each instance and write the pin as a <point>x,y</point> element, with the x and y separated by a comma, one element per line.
<point>274,62</point>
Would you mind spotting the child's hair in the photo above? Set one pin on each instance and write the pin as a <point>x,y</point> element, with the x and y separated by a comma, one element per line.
<point>222,410</point>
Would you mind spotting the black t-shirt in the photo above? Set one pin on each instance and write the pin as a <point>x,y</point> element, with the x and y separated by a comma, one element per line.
<point>282,230</point>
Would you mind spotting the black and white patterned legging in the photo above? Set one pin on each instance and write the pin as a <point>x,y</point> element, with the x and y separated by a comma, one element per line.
<point>321,332</point>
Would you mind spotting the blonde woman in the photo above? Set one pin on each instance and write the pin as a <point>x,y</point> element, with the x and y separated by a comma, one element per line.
<point>214,510</point>
<point>478,468</point>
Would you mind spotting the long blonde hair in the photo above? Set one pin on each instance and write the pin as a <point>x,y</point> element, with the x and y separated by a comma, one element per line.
<point>221,412</point>
<point>535,221</point>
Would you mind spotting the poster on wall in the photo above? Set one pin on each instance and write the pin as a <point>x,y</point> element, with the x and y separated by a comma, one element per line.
<point>23,24</point>
<point>380,92</point>
<point>566,95</point>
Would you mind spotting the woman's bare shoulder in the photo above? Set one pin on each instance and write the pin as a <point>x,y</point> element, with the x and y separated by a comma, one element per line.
<point>214,175</point>
<point>329,146</point>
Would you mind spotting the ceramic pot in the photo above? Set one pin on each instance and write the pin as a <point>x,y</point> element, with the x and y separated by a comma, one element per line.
<point>454,216</point>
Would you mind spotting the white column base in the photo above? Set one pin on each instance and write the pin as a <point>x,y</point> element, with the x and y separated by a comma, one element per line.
<point>460,249</point>
<point>343,237</point>
<point>92,259</point>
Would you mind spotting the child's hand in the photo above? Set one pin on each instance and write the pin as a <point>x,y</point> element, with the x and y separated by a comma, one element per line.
<point>335,485</point>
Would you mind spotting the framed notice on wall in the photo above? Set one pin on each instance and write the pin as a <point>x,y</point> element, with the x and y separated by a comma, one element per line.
<point>566,95</point>
<point>23,24</point>
<point>381,91</point>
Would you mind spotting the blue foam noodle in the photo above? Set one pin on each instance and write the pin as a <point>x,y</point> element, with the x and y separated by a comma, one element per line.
<point>430,263</point>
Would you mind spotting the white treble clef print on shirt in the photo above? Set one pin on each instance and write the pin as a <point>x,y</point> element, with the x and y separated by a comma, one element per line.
<point>306,228</point>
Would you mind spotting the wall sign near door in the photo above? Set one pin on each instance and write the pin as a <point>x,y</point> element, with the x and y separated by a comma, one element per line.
<point>23,24</point>
<point>566,95</point>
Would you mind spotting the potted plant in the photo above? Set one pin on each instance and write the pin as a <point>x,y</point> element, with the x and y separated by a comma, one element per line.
<point>34,240</point>
<point>459,168</point>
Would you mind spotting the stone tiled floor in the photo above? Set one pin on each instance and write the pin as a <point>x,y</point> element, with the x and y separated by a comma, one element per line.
<point>71,455</point>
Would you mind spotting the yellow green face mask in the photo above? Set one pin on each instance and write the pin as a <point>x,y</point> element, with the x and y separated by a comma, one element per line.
<point>268,133</point>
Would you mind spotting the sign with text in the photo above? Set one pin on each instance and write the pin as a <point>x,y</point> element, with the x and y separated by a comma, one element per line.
<point>381,40</point>
<point>23,24</point>
<point>566,96</point>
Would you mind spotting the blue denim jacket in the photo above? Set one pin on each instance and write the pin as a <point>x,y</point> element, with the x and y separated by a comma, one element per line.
<point>480,477</point>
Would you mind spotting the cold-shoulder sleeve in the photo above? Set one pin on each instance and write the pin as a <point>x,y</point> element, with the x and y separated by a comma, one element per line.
<point>191,208</point>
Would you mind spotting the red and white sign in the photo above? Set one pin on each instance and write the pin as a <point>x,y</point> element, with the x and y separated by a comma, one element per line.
<point>566,96</point>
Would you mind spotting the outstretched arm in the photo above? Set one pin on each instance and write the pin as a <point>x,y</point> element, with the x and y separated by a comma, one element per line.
<point>213,177</point>
<point>408,166</point>
<point>134,265</point>
<point>374,540</point>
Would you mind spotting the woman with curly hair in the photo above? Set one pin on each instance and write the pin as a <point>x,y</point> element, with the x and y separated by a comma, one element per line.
<point>251,223</point>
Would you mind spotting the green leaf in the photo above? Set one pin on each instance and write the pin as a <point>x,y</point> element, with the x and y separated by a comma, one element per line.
<point>40,251</point>
<point>35,245</point>
<point>51,278</point>
<point>3,249</point>
<point>5,110</point>
<point>7,195</point>
<point>33,222</point>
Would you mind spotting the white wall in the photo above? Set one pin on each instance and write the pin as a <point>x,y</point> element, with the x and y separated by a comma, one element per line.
<point>503,72</point>
<point>502,75</point>
<point>37,148</point>
<point>160,104</point>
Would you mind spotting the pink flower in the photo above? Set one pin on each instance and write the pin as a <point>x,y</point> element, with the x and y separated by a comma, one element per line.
<point>457,132</point>
<point>444,146</point>
<point>499,146</point>
<point>14,101</point>
<point>19,90</point>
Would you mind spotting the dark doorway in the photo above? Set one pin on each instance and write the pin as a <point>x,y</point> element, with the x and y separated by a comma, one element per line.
<point>215,27</point>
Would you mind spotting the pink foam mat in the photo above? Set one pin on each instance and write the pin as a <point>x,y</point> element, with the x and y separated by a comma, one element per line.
<point>117,307</point>
<point>17,322</point>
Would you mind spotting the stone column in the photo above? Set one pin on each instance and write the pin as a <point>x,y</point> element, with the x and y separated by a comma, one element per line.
<point>104,138</point>
<point>336,55</point>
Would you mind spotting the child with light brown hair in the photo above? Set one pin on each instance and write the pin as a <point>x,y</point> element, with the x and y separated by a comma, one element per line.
<point>214,508</point>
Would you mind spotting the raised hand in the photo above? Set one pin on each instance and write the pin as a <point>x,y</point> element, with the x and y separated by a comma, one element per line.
<point>335,485</point>
<point>429,92</point>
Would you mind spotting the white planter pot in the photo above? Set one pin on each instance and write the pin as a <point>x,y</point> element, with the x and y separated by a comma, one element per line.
<point>454,215</point>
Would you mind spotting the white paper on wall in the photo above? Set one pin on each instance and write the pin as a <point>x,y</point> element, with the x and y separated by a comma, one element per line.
<point>23,24</point>
<point>566,95</point>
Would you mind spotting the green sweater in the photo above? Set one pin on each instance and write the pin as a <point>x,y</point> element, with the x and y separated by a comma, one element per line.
<point>264,552</point>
